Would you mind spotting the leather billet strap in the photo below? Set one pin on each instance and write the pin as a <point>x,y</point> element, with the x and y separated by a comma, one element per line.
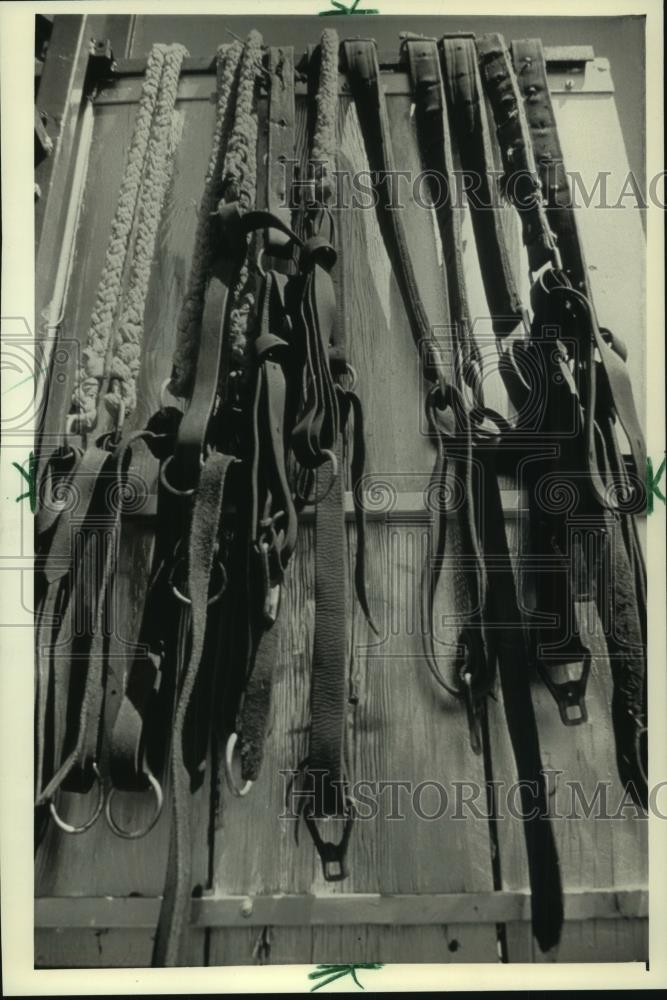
<point>273,521</point>
<point>139,740</point>
<point>314,315</point>
<point>323,775</point>
<point>452,430</point>
<point>558,494</point>
<point>78,651</point>
<point>473,138</point>
<point>203,544</point>
<point>281,123</point>
<point>363,72</point>
<point>328,697</point>
<point>61,571</point>
<point>623,573</point>
<point>604,391</point>
<point>508,647</point>
<point>530,69</point>
<point>522,181</point>
<point>436,149</point>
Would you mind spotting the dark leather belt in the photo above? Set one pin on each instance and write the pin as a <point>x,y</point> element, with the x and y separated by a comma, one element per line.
<point>470,125</point>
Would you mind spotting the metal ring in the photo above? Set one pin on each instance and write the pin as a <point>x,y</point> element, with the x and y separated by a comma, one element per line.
<point>167,485</point>
<point>215,597</point>
<point>67,827</point>
<point>156,787</point>
<point>352,372</point>
<point>229,759</point>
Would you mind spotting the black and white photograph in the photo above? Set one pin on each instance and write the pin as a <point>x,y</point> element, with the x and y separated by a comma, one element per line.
<point>333,509</point>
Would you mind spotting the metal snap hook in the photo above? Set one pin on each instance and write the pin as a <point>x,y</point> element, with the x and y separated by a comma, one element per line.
<point>229,771</point>
<point>68,827</point>
<point>156,788</point>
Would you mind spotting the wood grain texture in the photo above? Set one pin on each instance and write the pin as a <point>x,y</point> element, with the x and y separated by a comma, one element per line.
<point>585,941</point>
<point>400,728</point>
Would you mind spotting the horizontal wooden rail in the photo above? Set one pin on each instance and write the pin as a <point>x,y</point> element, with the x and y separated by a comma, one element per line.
<point>341,909</point>
<point>555,55</point>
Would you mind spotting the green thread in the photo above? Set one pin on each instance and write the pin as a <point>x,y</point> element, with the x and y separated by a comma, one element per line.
<point>652,481</point>
<point>31,478</point>
<point>330,973</point>
<point>342,9</point>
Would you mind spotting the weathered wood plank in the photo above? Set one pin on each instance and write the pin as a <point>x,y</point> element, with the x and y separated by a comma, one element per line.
<point>590,940</point>
<point>342,909</point>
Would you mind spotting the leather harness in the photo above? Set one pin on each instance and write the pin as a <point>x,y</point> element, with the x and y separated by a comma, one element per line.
<point>272,427</point>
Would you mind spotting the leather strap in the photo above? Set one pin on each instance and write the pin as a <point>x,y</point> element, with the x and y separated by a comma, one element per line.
<point>273,523</point>
<point>363,72</point>
<point>530,68</point>
<point>452,430</point>
<point>63,573</point>
<point>316,428</point>
<point>203,542</point>
<point>522,182</point>
<point>139,740</point>
<point>86,651</point>
<point>471,128</point>
<point>436,149</point>
<point>605,393</point>
<point>506,643</point>
<point>233,226</point>
<point>281,145</point>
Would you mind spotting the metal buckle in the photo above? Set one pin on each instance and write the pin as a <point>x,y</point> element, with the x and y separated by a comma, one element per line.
<point>570,696</point>
<point>331,855</point>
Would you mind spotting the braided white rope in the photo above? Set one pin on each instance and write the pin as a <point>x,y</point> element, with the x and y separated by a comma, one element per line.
<point>126,350</point>
<point>185,352</point>
<point>105,310</point>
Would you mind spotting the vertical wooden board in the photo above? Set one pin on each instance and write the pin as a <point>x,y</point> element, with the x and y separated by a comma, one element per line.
<point>584,941</point>
<point>611,226</point>
<point>442,944</point>
<point>89,948</point>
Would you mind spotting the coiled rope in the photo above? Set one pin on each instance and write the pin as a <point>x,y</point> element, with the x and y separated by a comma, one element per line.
<point>145,180</point>
<point>185,352</point>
